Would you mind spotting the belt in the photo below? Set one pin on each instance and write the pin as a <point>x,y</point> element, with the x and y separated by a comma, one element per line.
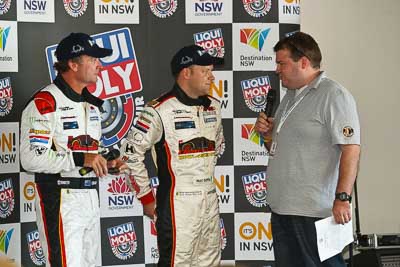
<point>61,182</point>
<point>77,183</point>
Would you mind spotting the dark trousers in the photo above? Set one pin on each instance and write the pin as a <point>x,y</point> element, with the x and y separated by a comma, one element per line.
<point>295,243</point>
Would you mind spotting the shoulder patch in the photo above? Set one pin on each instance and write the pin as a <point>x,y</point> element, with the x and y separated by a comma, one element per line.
<point>45,102</point>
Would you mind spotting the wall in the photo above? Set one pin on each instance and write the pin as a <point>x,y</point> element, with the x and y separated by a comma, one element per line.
<point>360,42</point>
<point>147,41</point>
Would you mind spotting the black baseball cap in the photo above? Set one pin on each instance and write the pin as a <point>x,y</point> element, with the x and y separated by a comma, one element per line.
<point>193,55</point>
<point>77,44</point>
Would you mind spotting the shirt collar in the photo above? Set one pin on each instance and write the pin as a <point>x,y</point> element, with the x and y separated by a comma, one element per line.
<point>86,96</point>
<point>185,99</point>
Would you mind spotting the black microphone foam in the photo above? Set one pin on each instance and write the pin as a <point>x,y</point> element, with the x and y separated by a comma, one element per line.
<point>269,109</point>
<point>111,155</point>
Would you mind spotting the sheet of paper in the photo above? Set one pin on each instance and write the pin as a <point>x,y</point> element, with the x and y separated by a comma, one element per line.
<point>332,237</point>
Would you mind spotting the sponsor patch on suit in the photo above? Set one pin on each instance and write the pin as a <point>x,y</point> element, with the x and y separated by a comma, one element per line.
<point>184,125</point>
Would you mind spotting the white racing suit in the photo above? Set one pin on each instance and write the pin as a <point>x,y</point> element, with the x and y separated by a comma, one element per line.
<point>57,126</point>
<point>187,137</point>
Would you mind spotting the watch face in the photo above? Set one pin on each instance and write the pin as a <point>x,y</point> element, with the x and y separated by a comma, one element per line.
<point>343,196</point>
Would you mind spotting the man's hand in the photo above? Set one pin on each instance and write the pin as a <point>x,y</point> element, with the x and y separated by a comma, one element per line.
<point>341,211</point>
<point>264,127</point>
<point>116,166</point>
<point>97,162</point>
<point>149,209</point>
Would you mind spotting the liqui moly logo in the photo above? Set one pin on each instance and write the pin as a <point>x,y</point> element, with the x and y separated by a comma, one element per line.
<point>6,96</point>
<point>120,74</point>
<point>118,83</point>
<point>212,41</point>
<point>255,188</point>
<point>7,198</point>
<point>75,8</point>
<point>223,234</point>
<point>4,6</point>
<point>257,8</point>
<point>123,240</point>
<point>163,8</point>
<point>35,248</point>
<point>121,196</point>
<point>255,92</point>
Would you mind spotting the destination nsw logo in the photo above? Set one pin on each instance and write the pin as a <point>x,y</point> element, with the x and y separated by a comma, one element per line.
<point>121,196</point>
<point>254,37</point>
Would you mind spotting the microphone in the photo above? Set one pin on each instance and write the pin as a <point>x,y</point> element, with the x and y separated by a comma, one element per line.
<point>111,155</point>
<point>269,109</point>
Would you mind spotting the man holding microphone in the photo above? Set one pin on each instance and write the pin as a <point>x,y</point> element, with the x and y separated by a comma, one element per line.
<point>314,147</point>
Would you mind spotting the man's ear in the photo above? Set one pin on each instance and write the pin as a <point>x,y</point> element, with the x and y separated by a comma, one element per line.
<point>186,72</point>
<point>72,65</point>
<point>305,62</point>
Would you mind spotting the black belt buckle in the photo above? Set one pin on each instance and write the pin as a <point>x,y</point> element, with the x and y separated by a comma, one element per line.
<point>88,183</point>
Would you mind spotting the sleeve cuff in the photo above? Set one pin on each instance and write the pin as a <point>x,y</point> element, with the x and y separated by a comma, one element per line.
<point>147,199</point>
<point>78,158</point>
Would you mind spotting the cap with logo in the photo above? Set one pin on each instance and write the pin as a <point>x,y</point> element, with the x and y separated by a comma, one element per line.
<point>77,44</point>
<point>193,55</point>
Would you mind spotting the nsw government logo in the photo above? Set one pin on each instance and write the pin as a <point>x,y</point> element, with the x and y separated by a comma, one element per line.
<point>7,198</point>
<point>123,240</point>
<point>122,197</point>
<point>6,99</point>
<point>212,41</point>
<point>75,8</point>
<point>257,8</point>
<point>255,92</point>
<point>35,248</point>
<point>255,188</point>
<point>163,8</point>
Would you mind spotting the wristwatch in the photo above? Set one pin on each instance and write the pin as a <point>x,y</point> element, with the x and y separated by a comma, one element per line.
<point>343,196</point>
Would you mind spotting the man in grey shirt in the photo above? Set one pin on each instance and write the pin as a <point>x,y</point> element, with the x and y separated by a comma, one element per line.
<point>314,146</point>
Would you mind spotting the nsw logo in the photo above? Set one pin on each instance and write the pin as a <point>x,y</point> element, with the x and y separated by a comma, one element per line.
<point>257,8</point>
<point>35,248</point>
<point>163,8</point>
<point>35,6</point>
<point>249,133</point>
<point>116,84</point>
<point>212,41</point>
<point>6,96</point>
<point>255,188</point>
<point>4,32</point>
<point>208,7</point>
<point>75,8</point>
<point>5,238</point>
<point>254,37</point>
<point>123,240</point>
<point>7,198</point>
<point>121,196</point>
<point>255,92</point>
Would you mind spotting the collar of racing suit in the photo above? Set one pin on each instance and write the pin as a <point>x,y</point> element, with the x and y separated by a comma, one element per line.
<point>185,99</point>
<point>86,96</point>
